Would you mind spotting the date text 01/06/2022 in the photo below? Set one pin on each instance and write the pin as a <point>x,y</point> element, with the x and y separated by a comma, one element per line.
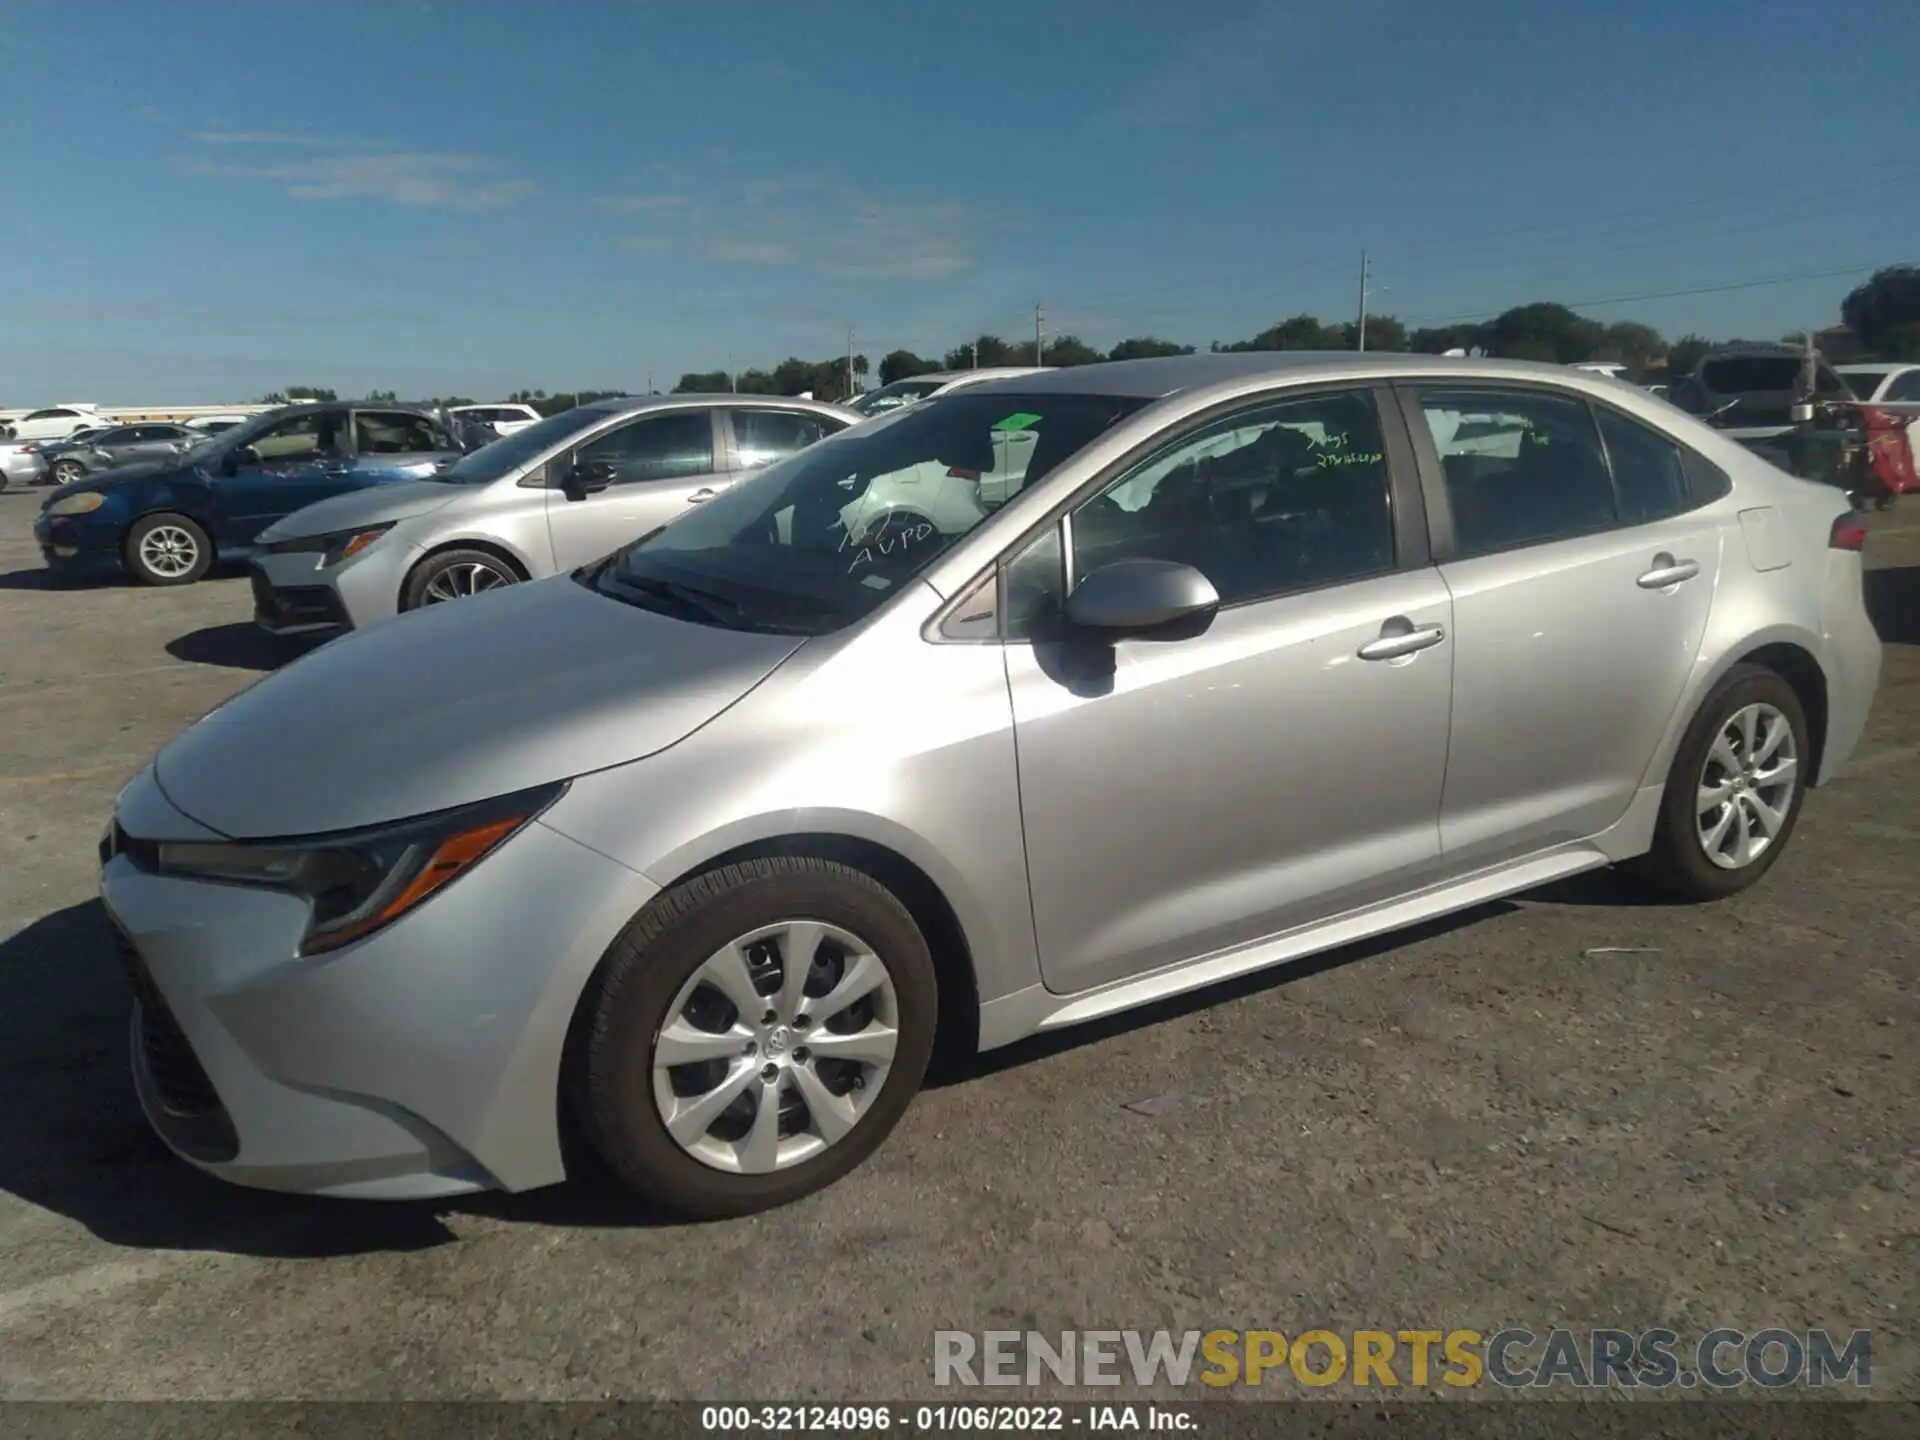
<point>937,1419</point>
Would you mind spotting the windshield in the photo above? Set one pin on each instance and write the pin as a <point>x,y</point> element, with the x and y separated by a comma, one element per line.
<point>821,539</point>
<point>892,397</point>
<point>501,458</point>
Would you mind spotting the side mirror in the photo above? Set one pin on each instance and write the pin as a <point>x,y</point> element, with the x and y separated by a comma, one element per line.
<point>1141,597</point>
<point>588,478</point>
<point>231,462</point>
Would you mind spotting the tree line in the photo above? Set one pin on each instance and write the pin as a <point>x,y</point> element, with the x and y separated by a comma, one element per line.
<point>1883,312</point>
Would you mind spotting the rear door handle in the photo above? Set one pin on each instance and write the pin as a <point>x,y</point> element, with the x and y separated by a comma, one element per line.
<point>705,492</point>
<point>1398,637</point>
<point>1667,571</point>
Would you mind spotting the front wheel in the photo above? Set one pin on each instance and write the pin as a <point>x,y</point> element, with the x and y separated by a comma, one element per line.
<point>65,472</point>
<point>168,550</point>
<point>1734,792</point>
<point>455,575</point>
<point>756,1034</point>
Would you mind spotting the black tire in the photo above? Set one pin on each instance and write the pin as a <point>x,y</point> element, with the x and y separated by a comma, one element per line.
<point>414,594</point>
<point>65,472</point>
<point>138,564</point>
<point>642,975</point>
<point>1678,865</point>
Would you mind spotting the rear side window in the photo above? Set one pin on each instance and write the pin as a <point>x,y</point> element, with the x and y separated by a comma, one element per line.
<point>53,415</point>
<point>1649,475</point>
<point>1521,467</point>
<point>1904,388</point>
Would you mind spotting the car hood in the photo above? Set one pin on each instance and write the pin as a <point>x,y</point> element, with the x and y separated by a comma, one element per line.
<point>457,703</point>
<point>377,505</point>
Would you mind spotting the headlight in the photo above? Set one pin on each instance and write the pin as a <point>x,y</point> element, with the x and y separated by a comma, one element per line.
<point>85,503</point>
<point>362,882</point>
<point>331,548</point>
<point>342,547</point>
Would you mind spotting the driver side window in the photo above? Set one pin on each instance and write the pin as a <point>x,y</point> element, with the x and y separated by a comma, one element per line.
<point>1271,501</point>
<point>385,432</point>
<point>674,446</point>
<point>303,437</point>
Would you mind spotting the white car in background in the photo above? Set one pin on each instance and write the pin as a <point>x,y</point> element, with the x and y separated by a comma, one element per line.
<point>920,387</point>
<point>56,422</point>
<point>21,463</point>
<point>505,419</point>
<point>1888,382</point>
<point>216,424</point>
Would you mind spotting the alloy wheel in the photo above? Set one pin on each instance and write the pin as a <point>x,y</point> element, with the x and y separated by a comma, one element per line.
<point>1747,786</point>
<point>457,582</point>
<point>68,471</point>
<point>776,1047</point>
<point>169,551</point>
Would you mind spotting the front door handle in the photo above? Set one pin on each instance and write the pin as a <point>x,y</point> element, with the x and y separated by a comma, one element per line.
<point>705,492</point>
<point>1400,637</point>
<point>1667,571</point>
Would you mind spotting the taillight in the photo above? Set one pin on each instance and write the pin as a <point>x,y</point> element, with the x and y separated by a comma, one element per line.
<point>1849,532</point>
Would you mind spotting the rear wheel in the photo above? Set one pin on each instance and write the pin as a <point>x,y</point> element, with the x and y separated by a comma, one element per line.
<point>456,575</point>
<point>757,1033</point>
<point>167,550</point>
<point>1734,792</point>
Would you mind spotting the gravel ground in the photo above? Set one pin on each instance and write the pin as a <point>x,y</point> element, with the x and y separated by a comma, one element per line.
<point>1477,1125</point>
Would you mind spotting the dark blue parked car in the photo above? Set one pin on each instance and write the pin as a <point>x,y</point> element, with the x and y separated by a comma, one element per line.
<point>166,523</point>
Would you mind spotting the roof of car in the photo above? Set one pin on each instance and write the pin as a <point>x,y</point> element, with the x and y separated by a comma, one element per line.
<point>630,404</point>
<point>1153,378</point>
<point>1876,367</point>
<point>984,372</point>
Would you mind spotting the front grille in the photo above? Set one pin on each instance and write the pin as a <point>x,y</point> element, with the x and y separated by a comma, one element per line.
<point>193,1117</point>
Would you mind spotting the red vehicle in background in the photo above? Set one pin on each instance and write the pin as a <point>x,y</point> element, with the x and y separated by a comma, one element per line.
<point>1884,462</point>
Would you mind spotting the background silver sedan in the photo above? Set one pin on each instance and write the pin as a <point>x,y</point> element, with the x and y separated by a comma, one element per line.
<point>547,498</point>
<point>120,445</point>
<point>1263,655</point>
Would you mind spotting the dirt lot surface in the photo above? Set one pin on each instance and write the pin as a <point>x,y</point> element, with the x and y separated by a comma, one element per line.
<point>1572,1109</point>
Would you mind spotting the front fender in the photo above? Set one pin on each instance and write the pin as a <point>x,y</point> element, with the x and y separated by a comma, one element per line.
<point>185,494</point>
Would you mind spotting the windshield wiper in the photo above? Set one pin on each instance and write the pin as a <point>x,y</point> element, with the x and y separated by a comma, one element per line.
<point>691,601</point>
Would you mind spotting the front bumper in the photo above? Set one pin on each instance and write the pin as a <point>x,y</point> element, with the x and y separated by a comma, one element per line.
<point>78,545</point>
<point>295,596</point>
<point>305,611</point>
<point>423,1061</point>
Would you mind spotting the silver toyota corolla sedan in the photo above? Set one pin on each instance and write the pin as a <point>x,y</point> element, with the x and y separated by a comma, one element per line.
<point>705,842</point>
<point>549,497</point>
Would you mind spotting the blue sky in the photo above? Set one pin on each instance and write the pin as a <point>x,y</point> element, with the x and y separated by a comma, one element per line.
<point>206,200</point>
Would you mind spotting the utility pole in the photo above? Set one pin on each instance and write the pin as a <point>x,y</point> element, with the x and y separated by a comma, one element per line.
<point>849,362</point>
<point>976,354</point>
<point>733,385</point>
<point>649,380</point>
<point>1039,322</point>
<point>1360,330</point>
